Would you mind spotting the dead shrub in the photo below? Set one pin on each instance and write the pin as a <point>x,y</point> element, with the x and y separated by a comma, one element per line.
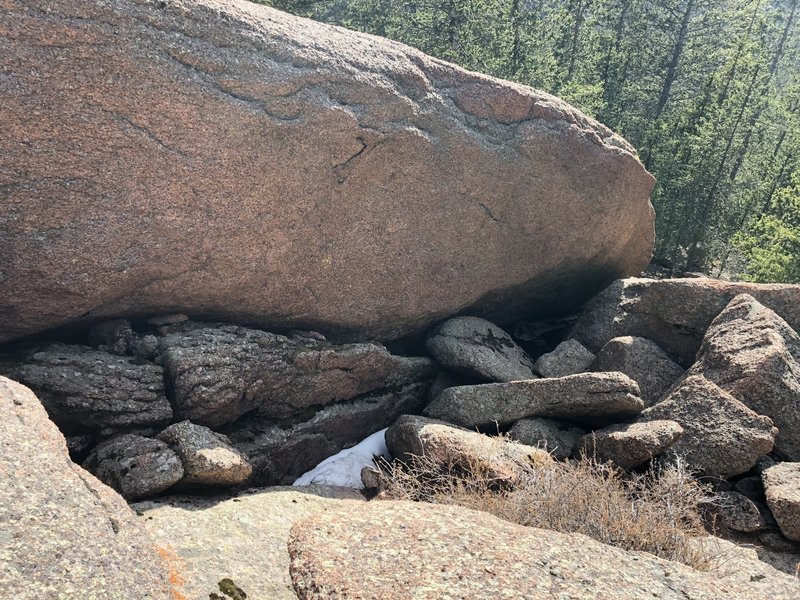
<point>659,512</point>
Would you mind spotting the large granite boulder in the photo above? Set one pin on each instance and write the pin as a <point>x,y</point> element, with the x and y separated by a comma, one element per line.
<point>228,160</point>
<point>782,488</point>
<point>450,447</point>
<point>238,538</point>
<point>593,398</point>
<point>219,373</point>
<point>754,355</point>
<point>643,361</point>
<point>64,534</point>
<point>721,436</point>
<point>673,313</point>
<point>86,389</point>
<point>396,549</point>
<point>478,348</point>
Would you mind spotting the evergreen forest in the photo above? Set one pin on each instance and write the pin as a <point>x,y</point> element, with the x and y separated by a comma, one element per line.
<point>707,90</point>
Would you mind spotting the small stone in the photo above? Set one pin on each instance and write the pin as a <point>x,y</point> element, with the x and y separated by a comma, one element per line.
<point>135,466</point>
<point>208,458</point>
<point>112,336</point>
<point>556,437</point>
<point>569,358</point>
<point>737,512</point>
<point>632,445</point>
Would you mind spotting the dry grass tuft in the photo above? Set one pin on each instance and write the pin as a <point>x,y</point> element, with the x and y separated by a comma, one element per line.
<point>659,512</point>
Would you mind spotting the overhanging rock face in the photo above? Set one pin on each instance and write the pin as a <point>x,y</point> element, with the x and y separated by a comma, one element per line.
<point>234,162</point>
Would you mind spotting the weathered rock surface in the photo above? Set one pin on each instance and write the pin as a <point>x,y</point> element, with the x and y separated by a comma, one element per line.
<point>241,538</point>
<point>280,453</point>
<point>673,313</point>
<point>569,358</point>
<point>407,550</point>
<point>446,379</point>
<point>630,445</point>
<point>596,398</point>
<point>478,348</point>
<point>208,458</point>
<point>782,488</point>
<point>135,466</point>
<point>557,437</point>
<point>452,447</point>
<point>721,436</point>
<point>643,361</point>
<point>754,355</point>
<point>737,512</point>
<point>222,372</point>
<point>228,160</point>
<point>82,388</point>
<point>64,534</point>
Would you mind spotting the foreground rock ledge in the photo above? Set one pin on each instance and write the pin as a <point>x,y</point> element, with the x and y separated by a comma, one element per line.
<point>230,161</point>
<point>394,550</point>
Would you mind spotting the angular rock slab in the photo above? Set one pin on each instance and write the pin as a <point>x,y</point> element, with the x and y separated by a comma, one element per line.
<point>556,437</point>
<point>586,397</point>
<point>673,313</point>
<point>405,550</point>
<point>64,534</point>
<point>230,161</point>
<point>721,436</point>
<point>241,538</point>
<point>82,388</point>
<point>754,355</point>
<point>135,466</point>
<point>478,348</point>
<point>782,488</point>
<point>280,453</point>
<point>631,445</point>
<point>643,361</point>
<point>208,458</point>
<point>569,357</point>
<point>452,447</point>
<point>220,373</point>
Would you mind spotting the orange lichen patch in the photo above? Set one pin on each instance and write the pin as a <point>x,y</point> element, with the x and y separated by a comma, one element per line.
<point>173,562</point>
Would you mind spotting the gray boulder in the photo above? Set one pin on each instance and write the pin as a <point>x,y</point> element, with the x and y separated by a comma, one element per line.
<point>754,355</point>
<point>782,488</point>
<point>392,547</point>
<point>629,446</point>
<point>478,348</point>
<point>721,436</point>
<point>220,373</point>
<point>135,466</point>
<point>280,453</point>
<point>569,358</point>
<point>556,437</point>
<point>643,361</point>
<point>85,388</point>
<point>451,447</point>
<point>592,398</point>
<point>208,458</point>
<point>737,512</point>
<point>673,313</point>
<point>64,534</point>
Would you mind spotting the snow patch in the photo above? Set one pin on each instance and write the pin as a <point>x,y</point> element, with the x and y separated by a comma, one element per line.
<point>344,469</point>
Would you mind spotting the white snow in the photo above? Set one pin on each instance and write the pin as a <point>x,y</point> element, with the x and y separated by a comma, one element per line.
<point>344,469</point>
